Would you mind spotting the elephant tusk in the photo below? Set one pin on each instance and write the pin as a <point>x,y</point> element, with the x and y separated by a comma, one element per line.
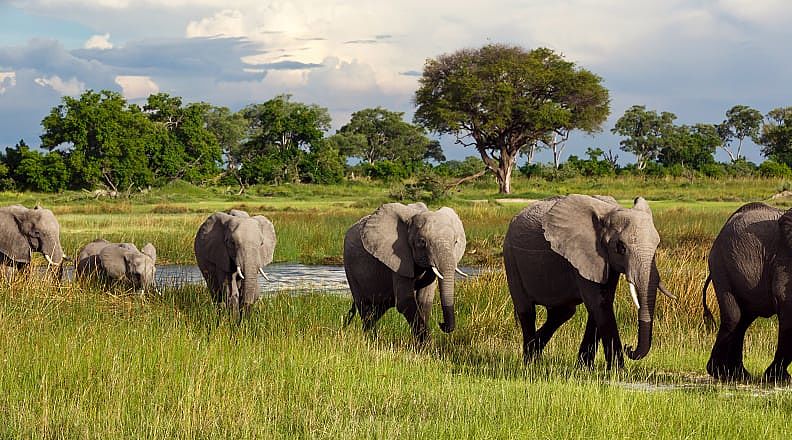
<point>634,295</point>
<point>665,292</point>
<point>437,272</point>
<point>460,272</point>
<point>49,260</point>
<point>261,271</point>
<point>239,272</point>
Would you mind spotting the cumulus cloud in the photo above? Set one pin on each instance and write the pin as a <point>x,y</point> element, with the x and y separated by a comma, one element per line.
<point>136,86</point>
<point>7,80</point>
<point>69,87</point>
<point>99,42</point>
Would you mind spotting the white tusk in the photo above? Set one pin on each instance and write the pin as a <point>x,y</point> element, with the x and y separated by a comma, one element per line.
<point>665,292</point>
<point>261,271</point>
<point>634,295</point>
<point>239,272</point>
<point>49,260</point>
<point>437,272</point>
<point>461,273</point>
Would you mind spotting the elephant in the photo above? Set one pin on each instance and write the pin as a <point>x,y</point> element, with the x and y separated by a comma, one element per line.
<point>750,267</point>
<point>566,250</point>
<point>24,231</point>
<point>118,262</point>
<point>231,250</point>
<point>392,258</point>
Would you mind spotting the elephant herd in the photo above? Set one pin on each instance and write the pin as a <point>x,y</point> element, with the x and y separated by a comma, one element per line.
<point>558,253</point>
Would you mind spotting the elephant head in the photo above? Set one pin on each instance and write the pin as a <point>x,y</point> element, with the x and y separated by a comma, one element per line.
<point>413,241</point>
<point>597,237</point>
<point>124,261</point>
<point>239,245</point>
<point>24,231</point>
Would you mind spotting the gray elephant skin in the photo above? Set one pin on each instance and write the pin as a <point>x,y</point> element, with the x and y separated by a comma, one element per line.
<point>392,258</point>
<point>231,250</point>
<point>118,263</point>
<point>750,266</point>
<point>24,231</point>
<point>563,251</point>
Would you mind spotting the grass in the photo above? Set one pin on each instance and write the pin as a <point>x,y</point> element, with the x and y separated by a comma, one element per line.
<point>78,362</point>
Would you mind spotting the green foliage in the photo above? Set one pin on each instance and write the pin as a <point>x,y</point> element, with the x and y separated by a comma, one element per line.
<point>428,188</point>
<point>741,122</point>
<point>689,146</point>
<point>594,166</point>
<point>455,168</point>
<point>324,165</point>
<point>502,98</point>
<point>776,136</point>
<point>385,170</point>
<point>32,170</point>
<point>771,168</point>
<point>645,132</point>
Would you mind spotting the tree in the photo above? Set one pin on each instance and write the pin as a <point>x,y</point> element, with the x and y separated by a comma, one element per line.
<point>776,136</point>
<point>375,134</point>
<point>690,146</point>
<point>741,122</point>
<point>502,100</point>
<point>282,131</point>
<point>104,140</point>
<point>645,132</point>
<point>32,170</point>
<point>229,129</point>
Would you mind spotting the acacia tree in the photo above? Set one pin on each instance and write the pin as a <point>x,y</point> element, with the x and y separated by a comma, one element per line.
<point>741,122</point>
<point>503,100</point>
<point>776,137</point>
<point>645,132</point>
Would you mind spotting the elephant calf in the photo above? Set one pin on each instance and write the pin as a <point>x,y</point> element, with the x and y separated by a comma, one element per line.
<point>561,251</point>
<point>231,250</point>
<point>24,231</point>
<point>750,266</point>
<point>118,262</point>
<point>392,257</point>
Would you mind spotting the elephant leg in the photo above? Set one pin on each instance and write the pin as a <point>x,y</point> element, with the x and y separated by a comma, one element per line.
<point>556,316</point>
<point>415,313</point>
<point>777,371</point>
<point>588,347</point>
<point>232,300</point>
<point>423,298</point>
<point>599,303</point>
<point>725,362</point>
<point>527,319</point>
<point>370,313</point>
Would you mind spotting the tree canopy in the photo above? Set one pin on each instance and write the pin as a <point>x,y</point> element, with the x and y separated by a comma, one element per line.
<point>645,132</point>
<point>741,122</point>
<point>502,99</point>
<point>776,135</point>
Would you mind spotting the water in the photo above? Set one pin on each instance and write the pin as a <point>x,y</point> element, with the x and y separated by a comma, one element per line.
<point>283,277</point>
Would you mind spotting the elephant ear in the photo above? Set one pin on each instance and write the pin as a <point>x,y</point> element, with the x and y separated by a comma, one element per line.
<point>210,242</point>
<point>113,259</point>
<point>459,232</point>
<point>573,228</point>
<point>238,213</point>
<point>640,204</point>
<point>150,251</point>
<point>385,236</point>
<point>13,243</point>
<point>785,227</point>
<point>268,248</point>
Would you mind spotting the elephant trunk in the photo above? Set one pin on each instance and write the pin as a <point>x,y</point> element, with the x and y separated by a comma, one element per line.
<point>447,296</point>
<point>52,251</point>
<point>249,266</point>
<point>646,280</point>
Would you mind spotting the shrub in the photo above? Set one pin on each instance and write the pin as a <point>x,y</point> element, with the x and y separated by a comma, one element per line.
<point>770,168</point>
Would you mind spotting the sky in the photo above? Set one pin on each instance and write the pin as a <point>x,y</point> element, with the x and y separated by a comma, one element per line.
<point>696,59</point>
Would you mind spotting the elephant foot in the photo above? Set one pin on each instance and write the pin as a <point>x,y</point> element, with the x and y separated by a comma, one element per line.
<point>727,373</point>
<point>585,360</point>
<point>532,350</point>
<point>775,374</point>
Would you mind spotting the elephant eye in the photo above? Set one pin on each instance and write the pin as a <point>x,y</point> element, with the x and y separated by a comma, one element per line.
<point>620,248</point>
<point>420,242</point>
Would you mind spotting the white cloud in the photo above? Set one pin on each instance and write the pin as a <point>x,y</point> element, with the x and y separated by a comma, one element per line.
<point>101,42</point>
<point>228,22</point>
<point>70,87</point>
<point>7,80</point>
<point>136,86</point>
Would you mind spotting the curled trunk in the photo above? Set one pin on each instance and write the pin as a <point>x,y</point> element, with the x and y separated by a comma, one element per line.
<point>646,280</point>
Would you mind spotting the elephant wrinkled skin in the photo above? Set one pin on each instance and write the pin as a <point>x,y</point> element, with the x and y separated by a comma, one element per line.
<point>392,258</point>
<point>561,251</point>
<point>118,263</point>
<point>750,267</point>
<point>24,231</point>
<point>231,250</point>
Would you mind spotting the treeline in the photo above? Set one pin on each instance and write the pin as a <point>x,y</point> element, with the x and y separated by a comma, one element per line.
<point>502,101</point>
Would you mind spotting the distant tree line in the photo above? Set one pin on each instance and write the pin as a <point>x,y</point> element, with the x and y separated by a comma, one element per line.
<point>503,101</point>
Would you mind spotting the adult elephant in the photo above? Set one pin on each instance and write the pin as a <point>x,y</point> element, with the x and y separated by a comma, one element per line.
<point>392,258</point>
<point>750,266</point>
<point>561,251</point>
<point>118,263</point>
<point>24,231</point>
<point>231,250</point>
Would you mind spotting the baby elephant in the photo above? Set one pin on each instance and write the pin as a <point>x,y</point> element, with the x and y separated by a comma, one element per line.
<point>118,262</point>
<point>750,266</point>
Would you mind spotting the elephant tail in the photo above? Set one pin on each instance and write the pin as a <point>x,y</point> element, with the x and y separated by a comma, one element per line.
<point>709,320</point>
<point>350,315</point>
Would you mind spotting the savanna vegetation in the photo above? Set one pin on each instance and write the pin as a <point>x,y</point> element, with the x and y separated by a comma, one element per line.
<point>82,362</point>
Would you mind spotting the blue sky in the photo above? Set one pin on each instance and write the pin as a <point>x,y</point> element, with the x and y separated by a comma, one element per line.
<point>693,58</point>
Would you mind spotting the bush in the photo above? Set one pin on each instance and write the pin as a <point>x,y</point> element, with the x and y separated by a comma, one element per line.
<point>771,168</point>
<point>385,170</point>
<point>716,170</point>
<point>427,188</point>
<point>455,168</point>
<point>741,168</point>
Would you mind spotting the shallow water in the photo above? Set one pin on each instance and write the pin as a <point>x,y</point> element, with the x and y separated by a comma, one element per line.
<point>283,277</point>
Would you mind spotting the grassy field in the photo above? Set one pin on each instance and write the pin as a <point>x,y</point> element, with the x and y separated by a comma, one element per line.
<point>79,362</point>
